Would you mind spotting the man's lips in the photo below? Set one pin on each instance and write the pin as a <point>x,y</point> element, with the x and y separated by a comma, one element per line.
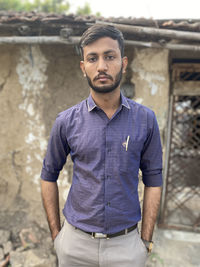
<point>102,78</point>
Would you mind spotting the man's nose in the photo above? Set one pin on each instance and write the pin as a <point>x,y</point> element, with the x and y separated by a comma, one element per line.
<point>102,65</point>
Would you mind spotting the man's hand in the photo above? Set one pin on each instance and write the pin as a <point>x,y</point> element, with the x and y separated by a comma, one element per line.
<point>54,235</point>
<point>50,199</point>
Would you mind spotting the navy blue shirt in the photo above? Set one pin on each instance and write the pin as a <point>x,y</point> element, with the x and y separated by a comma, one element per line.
<point>107,155</point>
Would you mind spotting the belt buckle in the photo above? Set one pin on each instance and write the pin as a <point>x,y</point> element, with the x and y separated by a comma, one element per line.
<point>99,235</point>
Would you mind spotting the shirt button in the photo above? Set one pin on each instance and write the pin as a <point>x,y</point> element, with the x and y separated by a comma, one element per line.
<point>108,176</point>
<point>109,150</point>
<point>108,204</point>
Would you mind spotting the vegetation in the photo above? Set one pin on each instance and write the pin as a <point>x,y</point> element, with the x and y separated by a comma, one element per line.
<point>85,10</point>
<point>57,6</point>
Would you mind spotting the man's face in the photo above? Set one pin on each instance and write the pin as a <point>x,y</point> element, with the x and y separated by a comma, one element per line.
<point>103,65</point>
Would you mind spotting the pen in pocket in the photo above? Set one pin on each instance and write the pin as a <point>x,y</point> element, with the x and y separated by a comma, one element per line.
<point>127,140</point>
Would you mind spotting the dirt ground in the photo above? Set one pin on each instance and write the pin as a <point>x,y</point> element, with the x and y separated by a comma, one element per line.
<point>175,249</point>
<point>171,248</point>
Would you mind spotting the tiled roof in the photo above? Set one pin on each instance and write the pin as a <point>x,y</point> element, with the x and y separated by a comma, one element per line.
<point>11,18</point>
<point>50,24</point>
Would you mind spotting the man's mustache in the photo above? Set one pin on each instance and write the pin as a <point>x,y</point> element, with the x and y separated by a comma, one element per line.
<point>103,74</point>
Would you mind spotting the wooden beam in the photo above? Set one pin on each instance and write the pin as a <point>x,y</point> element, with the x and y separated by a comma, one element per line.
<point>74,40</point>
<point>160,33</point>
<point>189,88</point>
<point>186,66</point>
<point>180,47</point>
<point>39,40</point>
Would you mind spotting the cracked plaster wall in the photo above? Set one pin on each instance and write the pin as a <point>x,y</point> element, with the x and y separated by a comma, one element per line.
<point>151,78</point>
<point>10,180</point>
<point>38,82</point>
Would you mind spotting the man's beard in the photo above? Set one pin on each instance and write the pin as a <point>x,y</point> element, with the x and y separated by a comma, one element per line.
<point>106,88</point>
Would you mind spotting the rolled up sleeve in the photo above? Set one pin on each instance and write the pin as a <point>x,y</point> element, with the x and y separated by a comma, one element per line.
<point>57,152</point>
<point>151,157</point>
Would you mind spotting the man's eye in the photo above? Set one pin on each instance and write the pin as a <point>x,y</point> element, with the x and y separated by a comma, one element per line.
<point>109,57</point>
<point>92,59</point>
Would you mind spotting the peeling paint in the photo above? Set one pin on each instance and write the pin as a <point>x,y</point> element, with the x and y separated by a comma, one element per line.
<point>36,179</point>
<point>32,77</point>
<point>65,182</point>
<point>148,76</point>
<point>151,79</point>
<point>154,88</point>
<point>65,193</point>
<point>30,138</point>
<point>30,110</point>
<point>31,70</point>
<point>29,170</point>
<point>28,159</point>
<point>139,100</point>
<point>43,144</point>
<point>38,157</point>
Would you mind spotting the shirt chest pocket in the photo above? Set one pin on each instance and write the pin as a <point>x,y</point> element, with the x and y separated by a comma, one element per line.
<point>130,154</point>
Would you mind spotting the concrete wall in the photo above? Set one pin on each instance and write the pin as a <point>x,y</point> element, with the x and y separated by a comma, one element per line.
<point>36,83</point>
<point>151,78</point>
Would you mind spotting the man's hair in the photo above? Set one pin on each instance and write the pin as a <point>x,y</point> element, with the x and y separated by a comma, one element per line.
<point>98,31</point>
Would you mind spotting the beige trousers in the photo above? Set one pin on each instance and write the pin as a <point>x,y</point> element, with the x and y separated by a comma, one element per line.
<point>76,248</point>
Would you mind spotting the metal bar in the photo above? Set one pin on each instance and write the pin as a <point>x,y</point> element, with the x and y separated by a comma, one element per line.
<point>197,76</point>
<point>180,205</point>
<point>167,154</point>
<point>185,76</point>
<point>182,197</point>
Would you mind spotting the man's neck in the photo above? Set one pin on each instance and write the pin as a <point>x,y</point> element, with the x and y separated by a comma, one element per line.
<point>108,102</point>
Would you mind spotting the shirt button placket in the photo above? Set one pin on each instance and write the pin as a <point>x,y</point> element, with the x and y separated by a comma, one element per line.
<point>107,177</point>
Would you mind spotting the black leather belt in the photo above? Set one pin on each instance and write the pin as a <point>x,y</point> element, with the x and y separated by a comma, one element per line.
<point>101,235</point>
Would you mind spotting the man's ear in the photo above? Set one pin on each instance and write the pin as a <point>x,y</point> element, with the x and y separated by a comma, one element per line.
<point>124,64</point>
<point>82,66</point>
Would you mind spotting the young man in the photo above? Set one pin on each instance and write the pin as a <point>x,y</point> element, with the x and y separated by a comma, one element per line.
<point>109,137</point>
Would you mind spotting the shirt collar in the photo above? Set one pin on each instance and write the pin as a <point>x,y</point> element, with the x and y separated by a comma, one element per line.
<point>124,101</point>
<point>91,104</point>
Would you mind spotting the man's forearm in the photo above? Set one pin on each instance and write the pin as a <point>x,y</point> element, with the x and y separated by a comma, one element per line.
<point>151,205</point>
<point>50,197</point>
